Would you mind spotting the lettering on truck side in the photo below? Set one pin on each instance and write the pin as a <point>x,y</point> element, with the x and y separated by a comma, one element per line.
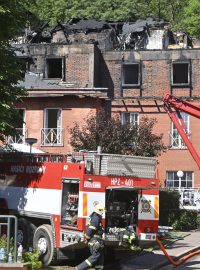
<point>27,169</point>
<point>116,181</point>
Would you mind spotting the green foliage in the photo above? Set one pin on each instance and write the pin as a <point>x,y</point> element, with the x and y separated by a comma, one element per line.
<point>192,18</point>
<point>116,138</point>
<point>3,244</point>
<point>171,215</point>
<point>12,18</point>
<point>185,220</point>
<point>33,259</point>
<point>198,221</point>
<point>182,14</point>
<point>169,206</point>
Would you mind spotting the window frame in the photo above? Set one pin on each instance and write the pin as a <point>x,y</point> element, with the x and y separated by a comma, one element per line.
<point>57,131</point>
<point>176,178</point>
<point>123,74</point>
<point>189,74</point>
<point>181,144</point>
<point>47,68</point>
<point>130,122</point>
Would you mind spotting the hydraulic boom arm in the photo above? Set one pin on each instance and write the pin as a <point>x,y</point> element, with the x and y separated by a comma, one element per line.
<point>174,106</point>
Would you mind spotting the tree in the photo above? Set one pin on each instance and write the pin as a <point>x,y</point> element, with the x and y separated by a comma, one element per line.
<point>12,18</point>
<point>116,138</point>
<point>180,13</point>
<point>192,18</point>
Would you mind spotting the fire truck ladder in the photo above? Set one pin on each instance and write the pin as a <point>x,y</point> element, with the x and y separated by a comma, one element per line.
<point>173,107</point>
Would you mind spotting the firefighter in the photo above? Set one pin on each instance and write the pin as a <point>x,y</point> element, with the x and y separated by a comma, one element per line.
<point>94,240</point>
<point>127,237</point>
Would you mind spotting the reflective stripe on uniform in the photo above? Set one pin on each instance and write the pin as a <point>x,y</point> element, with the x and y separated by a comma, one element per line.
<point>97,236</point>
<point>87,237</point>
<point>91,243</point>
<point>88,262</point>
<point>92,227</point>
<point>125,236</point>
<point>98,266</point>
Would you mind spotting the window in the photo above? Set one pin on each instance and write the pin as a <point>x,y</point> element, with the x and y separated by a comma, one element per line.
<point>176,140</point>
<point>130,75</point>
<point>130,118</point>
<point>52,133</point>
<point>54,68</point>
<point>21,130</point>
<point>180,74</point>
<point>174,182</point>
<point>70,200</point>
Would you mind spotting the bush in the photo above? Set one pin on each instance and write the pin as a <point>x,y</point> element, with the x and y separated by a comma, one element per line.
<point>33,258</point>
<point>169,206</point>
<point>185,220</point>
<point>30,257</point>
<point>172,215</point>
<point>3,244</point>
<point>198,221</point>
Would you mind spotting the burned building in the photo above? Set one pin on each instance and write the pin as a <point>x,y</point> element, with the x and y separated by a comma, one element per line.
<point>78,67</point>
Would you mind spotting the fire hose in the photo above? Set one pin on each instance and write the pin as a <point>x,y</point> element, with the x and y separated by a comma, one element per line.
<point>180,261</point>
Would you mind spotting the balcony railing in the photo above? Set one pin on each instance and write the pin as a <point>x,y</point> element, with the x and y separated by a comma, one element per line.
<point>52,136</point>
<point>21,135</point>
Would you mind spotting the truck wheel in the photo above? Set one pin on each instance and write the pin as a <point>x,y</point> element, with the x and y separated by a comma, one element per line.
<point>25,233</point>
<point>43,241</point>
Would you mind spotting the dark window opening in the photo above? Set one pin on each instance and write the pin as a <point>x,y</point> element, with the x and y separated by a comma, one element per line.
<point>24,66</point>
<point>20,121</point>
<point>54,68</point>
<point>181,73</point>
<point>130,74</point>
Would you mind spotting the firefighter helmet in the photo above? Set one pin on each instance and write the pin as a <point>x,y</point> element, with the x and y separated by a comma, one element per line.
<point>99,209</point>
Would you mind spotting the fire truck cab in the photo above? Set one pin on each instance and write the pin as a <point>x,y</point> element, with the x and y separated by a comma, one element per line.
<point>54,195</point>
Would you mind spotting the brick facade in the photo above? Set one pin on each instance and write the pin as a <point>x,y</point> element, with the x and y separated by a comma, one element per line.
<point>93,77</point>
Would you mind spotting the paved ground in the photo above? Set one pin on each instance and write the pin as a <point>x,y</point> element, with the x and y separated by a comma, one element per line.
<point>157,259</point>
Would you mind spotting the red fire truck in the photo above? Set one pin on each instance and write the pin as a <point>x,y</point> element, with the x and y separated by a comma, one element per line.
<point>54,195</point>
<point>190,198</point>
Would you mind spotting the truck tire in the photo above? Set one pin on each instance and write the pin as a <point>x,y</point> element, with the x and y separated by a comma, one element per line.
<point>25,233</point>
<point>43,241</point>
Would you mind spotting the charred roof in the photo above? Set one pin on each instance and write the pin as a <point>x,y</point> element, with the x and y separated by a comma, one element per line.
<point>107,34</point>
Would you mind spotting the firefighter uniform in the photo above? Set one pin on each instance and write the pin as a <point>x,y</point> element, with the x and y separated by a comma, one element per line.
<point>127,238</point>
<point>94,234</point>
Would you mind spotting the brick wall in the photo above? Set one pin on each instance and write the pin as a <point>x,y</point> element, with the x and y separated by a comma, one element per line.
<point>74,109</point>
<point>77,69</point>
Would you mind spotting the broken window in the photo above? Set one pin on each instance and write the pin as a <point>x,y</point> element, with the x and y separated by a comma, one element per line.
<point>180,74</point>
<point>54,68</point>
<point>52,133</point>
<point>130,75</point>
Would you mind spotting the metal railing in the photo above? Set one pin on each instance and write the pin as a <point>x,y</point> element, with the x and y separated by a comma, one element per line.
<point>52,136</point>
<point>6,222</point>
<point>22,134</point>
